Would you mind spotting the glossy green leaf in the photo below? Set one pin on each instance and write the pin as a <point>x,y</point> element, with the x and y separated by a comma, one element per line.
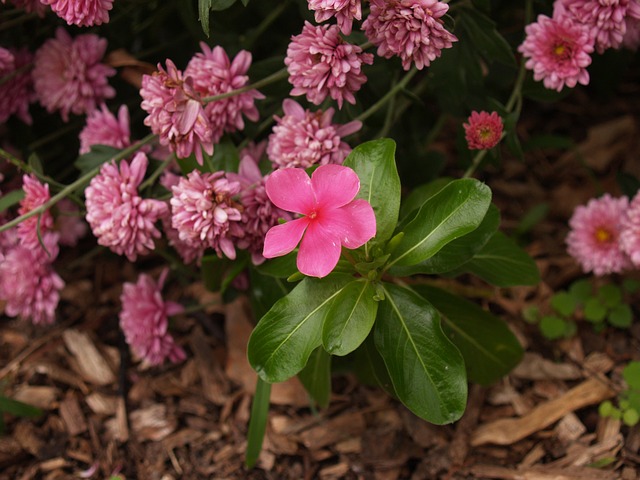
<point>454,211</point>
<point>370,368</point>
<point>18,409</point>
<point>375,164</point>
<point>316,377</point>
<point>489,348</point>
<point>257,422</point>
<point>350,318</point>
<point>412,203</point>
<point>265,292</point>
<point>426,369</point>
<point>9,199</point>
<point>285,336</point>
<point>98,155</point>
<point>482,32</point>
<point>280,267</point>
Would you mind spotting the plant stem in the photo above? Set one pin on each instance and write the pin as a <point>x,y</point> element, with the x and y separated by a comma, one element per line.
<point>273,78</point>
<point>25,167</point>
<point>198,307</point>
<point>477,159</point>
<point>17,21</point>
<point>380,103</point>
<point>157,172</point>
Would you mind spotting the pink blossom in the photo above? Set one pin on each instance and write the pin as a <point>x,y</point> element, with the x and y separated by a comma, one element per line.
<point>321,63</point>
<point>204,212</point>
<point>83,13</point>
<point>631,39</point>
<point>69,224</point>
<point>558,51</point>
<point>28,282</point>
<point>331,217</point>
<point>118,216</point>
<point>35,195</point>
<point>175,112</point>
<point>630,231</point>
<point>187,251</point>
<point>410,29</point>
<point>17,92</point>
<point>345,12</point>
<point>7,62</point>
<point>594,239</point>
<point>302,138</point>
<point>483,131</point>
<point>144,320</point>
<point>30,6</point>
<point>214,74</point>
<point>103,128</point>
<point>68,75</point>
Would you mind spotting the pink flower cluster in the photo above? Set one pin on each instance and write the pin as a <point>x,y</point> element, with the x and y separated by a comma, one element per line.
<point>83,13</point>
<point>103,128</point>
<point>344,11</point>
<point>16,93</point>
<point>483,131</point>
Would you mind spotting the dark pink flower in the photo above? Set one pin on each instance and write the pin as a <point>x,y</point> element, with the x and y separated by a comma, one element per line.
<point>145,323</point>
<point>69,223</point>
<point>558,51</point>
<point>331,219</point>
<point>630,231</point>
<point>321,63</point>
<point>103,128</point>
<point>176,113</point>
<point>17,92</point>
<point>35,195</point>
<point>118,216</point>
<point>7,62</point>
<point>594,239</point>
<point>83,13</point>
<point>30,6</point>
<point>483,131</point>
<point>345,12</point>
<point>68,75</point>
<point>410,29</point>
<point>302,138</point>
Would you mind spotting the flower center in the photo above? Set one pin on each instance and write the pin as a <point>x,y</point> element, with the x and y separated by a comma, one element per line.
<point>312,214</point>
<point>561,50</point>
<point>485,133</point>
<point>602,235</point>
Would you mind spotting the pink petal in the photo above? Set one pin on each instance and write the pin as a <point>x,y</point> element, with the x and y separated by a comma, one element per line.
<point>354,224</point>
<point>188,117</point>
<point>282,239</point>
<point>319,252</point>
<point>290,189</point>
<point>334,185</point>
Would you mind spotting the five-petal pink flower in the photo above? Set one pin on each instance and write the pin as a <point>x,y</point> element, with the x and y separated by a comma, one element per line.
<point>331,218</point>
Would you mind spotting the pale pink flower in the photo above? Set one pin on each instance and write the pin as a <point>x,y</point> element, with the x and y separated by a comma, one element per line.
<point>69,224</point>
<point>483,131</point>
<point>103,128</point>
<point>331,219</point>
<point>302,138</point>
<point>630,231</point>
<point>410,29</point>
<point>30,6</point>
<point>345,12</point>
<point>321,63</point>
<point>28,282</point>
<point>68,75</point>
<point>118,216</point>
<point>204,212</point>
<point>594,239</point>
<point>214,74</point>
<point>16,93</point>
<point>35,195</point>
<point>558,51</point>
<point>176,112</point>
<point>144,319</point>
<point>83,13</point>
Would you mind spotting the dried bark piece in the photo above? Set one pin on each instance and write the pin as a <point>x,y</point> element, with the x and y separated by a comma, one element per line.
<point>25,435</point>
<point>569,429</point>
<point>534,367</point>
<point>90,362</point>
<point>214,386</point>
<point>152,423</point>
<point>102,404</point>
<point>40,396</point>
<point>338,428</point>
<point>336,471</point>
<point>72,416</point>
<point>540,473</point>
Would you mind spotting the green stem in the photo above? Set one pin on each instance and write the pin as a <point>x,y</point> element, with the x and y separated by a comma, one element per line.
<point>156,173</point>
<point>273,78</point>
<point>25,167</point>
<point>17,21</point>
<point>392,93</point>
<point>198,307</point>
<point>477,159</point>
<point>257,422</point>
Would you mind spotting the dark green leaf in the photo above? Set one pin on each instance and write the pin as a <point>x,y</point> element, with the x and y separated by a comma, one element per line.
<point>620,316</point>
<point>629,184</point>
<point>265,292</point>
<point>316,377</point>
<point>257,422</point>
<point>221,4</point>
<point>412,203</point>
<point>594,310</point>
<point>370,368</point>
<point>280,267</point>
<point>18,409</point>
<point>564,303</point>
<point>98,155</point>
<point>8,200</point>
<point>610,295</point>
<point>631,375</point>
<point>553,327</point>
<point>532,218</point>
<point>580,290</point>
<point>225,157</point>
<point>482,32</point>
<point>212,268</point>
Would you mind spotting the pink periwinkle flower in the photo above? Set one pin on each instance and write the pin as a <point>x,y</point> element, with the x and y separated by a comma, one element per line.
<point>594,238</point>
<point>302,138</point>
<point>410,29</point>
<point>558,51</point>
<point>28,282</point>
<point>30,6</point>
<point>204,212</point>
<point>630,231</point>
<point>17,92</point>
<point>331,219</point>
<point>68,74</point>
<point>483,131</point>
<point>176,113</point>
<point>83,13</point>
<point>69,224</point>
<point>214,74</point>
<point>103,128</point>
<point>118,216</point>
<point>345,12</point>
<point>35,195</point>
<point>321,63</point>
<point>145,323</point>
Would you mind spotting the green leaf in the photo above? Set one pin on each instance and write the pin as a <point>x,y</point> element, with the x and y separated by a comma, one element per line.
<point>531,314</point>
<point>490,350</point>
<point>631,375</point>
<point>412,203</point>
<point>98,155</point>
<point>620,316</point>
<point>265,292</point>
<point>285,336</point>
<point>631,285</point>
<point>580,290</point>
<point>316,377</point>
<point>454,211</point>
<point>225,157</point>
<point>564,303</point>
<point>630,417</point>
<point>426,369</point>
<point>212,268</point>
<point>375,164</point>
<point>502,263</point>
<point>280,267</point>
<point>532,218</point>
<point>594,310</point>
<point>605,408</point>
<point>8,200</point>
<point>484,36</point>
<point>257,422</point>
<point>350,318</point>
<point>18,409</point>
<point>553,327</point>
<point>370,368</point>
<point>610,295</point>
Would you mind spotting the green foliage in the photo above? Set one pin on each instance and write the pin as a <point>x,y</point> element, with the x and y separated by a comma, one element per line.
<point>628,409</point>
<point>17,409</point>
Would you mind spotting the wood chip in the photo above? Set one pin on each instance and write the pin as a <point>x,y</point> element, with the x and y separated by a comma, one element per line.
<point>89,361</point>
<point>59,374</point>
<point>569,428</point>
<point>338,428</point>
<point>72,416</point>
<point>152,423</point>
<point>25,434</point>
<point>334,471</point>
<point>102,404</point>
<point>40,396</point>
<point>214,387</point>
<point>534,367</point>
<point>540,473</point>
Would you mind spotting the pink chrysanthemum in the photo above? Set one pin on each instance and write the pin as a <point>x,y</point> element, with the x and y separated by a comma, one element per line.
<point>145,323</point>
<point>204,212</point>
<point>176,113</point>
<point>321,63</point>
<point>28,282</point>
<point>630,231</point>
<point>558,51</point>
<point>345,12</point>
<point>30,6</point>
<point>410,29</point>
<point>631,39</point>
<point>103,128</point>
<point>594,239</point>
<point>118,216</point>
<point>35,195</point>
<point>483,131</point>
<point>214,74</point>
<point>68,75</point>
<point>69,224</point>
<point>17,92</point>
<point>83,13</point>
<point>302,138</point>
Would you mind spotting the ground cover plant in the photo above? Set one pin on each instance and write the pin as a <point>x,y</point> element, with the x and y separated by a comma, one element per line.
<point>330,162</point>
